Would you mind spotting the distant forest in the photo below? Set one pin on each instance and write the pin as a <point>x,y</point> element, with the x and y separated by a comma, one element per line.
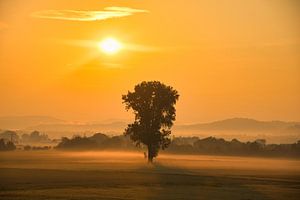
<point>185,145</point>
<point>179,145</point>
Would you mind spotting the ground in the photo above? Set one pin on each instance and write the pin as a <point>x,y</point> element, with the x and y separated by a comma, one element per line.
<point>124,175</point>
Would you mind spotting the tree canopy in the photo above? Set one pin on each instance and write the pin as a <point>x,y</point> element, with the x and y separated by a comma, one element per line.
<point>153,104</point>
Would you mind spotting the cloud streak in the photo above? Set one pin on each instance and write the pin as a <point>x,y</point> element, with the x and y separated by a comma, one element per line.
<point>87,15</point>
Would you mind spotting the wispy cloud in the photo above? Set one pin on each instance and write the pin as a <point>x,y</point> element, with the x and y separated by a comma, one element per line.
<point>87,15</point>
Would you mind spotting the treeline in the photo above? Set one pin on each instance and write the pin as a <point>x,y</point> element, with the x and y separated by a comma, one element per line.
<point>11,140</point>
<point>98,141</point>
<point>25,138</point>
<point>37,148</point>
<point>179,145</point>
<point>185,145</point>
<point>215,146</point>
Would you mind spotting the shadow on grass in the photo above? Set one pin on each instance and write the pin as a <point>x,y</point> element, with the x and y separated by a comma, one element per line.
<point>150,181</point>
<point>179,183</point>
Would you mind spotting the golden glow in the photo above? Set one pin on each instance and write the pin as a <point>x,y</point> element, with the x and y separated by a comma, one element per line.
<point>224,64</point>
<point>110,46</point>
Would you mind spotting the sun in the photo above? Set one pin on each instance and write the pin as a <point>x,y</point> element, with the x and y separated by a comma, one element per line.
<point>110,46</point>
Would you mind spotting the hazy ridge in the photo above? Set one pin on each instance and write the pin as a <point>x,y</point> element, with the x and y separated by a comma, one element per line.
<point>46,122</point>
<point>242,128</point>
<point>241,124</point>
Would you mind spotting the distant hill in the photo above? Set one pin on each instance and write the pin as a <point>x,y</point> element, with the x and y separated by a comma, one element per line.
<point>22,122</point>
<point>240,124</point>
<point>241,128</point>
<point>45,123</point>
<point>70,127</point>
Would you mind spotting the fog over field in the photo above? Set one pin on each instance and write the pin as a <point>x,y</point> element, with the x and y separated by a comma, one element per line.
<point>107,160</point>
<point>126,175</point>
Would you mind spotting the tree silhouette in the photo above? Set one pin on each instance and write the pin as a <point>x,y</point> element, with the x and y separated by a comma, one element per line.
<point>153,104</point>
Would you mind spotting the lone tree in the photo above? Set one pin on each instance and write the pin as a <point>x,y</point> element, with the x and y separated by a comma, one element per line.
<point>153,104</point>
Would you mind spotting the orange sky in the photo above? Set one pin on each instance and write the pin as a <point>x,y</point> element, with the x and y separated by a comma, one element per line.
<point>227,58</point>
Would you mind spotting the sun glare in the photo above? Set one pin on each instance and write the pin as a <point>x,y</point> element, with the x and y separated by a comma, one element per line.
<point>110,46</point>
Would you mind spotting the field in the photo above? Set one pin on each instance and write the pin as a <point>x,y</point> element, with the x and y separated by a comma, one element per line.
<point>125,175</point>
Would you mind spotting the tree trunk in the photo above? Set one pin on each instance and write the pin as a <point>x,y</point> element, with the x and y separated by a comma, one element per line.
<point>150,156</point>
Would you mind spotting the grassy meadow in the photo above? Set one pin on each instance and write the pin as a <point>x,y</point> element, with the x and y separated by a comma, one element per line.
<point>127,175</point>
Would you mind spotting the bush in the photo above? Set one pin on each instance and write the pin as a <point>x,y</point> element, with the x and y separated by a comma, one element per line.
<point>7,146</point>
